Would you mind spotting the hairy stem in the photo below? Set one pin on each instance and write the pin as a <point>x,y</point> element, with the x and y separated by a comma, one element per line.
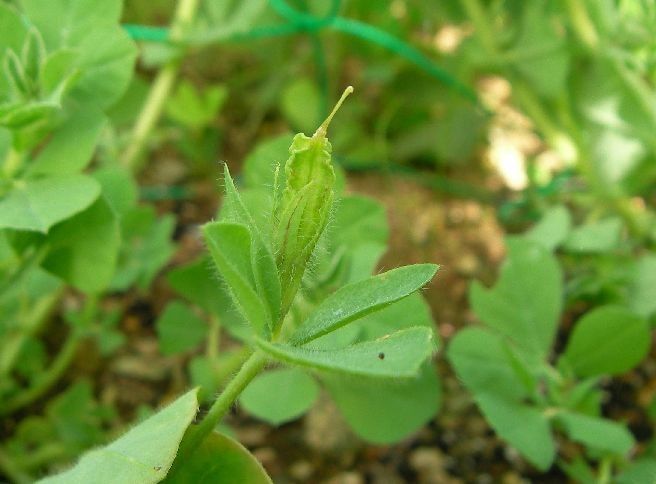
<point>213,339</point>
<point>159,92</point>
<point>220,407</point>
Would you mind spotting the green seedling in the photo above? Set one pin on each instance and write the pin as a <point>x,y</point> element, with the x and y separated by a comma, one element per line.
<point>527,394</point>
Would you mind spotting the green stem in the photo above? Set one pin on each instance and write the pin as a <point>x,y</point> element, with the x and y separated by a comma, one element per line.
<point>12,471</point>
<point>221,405</point>
<point>605,471</point>
<point>581,23</point>
<point>45,454</point>
<point>49,378</point>
<point>213,339</point>
<point>13,343</point>
<point>230,364</point>
<point>159,92</point>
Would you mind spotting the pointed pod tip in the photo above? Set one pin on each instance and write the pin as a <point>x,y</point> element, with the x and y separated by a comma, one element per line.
<point>323,129</point>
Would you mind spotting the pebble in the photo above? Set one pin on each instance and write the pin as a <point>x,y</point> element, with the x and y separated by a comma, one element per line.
<point>301,470</point>
<point>345,478</point>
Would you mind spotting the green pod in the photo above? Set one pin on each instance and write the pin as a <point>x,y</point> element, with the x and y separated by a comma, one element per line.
<point>302,207</point>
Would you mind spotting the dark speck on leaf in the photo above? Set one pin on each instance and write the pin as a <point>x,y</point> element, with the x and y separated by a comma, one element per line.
<point>381,356</point>
<point>157,468</point>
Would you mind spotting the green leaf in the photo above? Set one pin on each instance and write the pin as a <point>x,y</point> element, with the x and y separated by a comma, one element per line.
<point>641,470</point>
<point>147,246</point>
<point>546,69</point>
<point>385,411</point>
<point>398,355</point>
<point>579,470</point>
<point>201,286</point>
<point>105,53</point>
<point>230,247</point>
<point>28,115</point>
<point>608,340</point>
<point>404,313</point>
<point>360,298</point>
<point>597,433</point>
<point>13,37</point>
<point>71,146</point>
<point>39,204</point>
<point>301,104</point>
<point>524,305</point>
<point>75,416</point>
<point>219,460</point>
<point>179,329</point>
<point>641,294</point>
<point>280,396</point>
<point>483,362</point>
<point>58,74</point>
<point>84,248</point>
<point>13,70</point>
<point>194,109</point>
<point>33,54</point>
<point>596,237</point>
<point>144,454</point>
<point>358,229</point>
<point>526,428</point>
<point>265,271</point>
<point>202,373</point>
<point>118,187</point>
<point>553,228</point>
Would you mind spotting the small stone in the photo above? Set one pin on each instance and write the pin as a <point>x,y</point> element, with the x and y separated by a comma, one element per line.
<point>325,430</point>
<point>267,457</point>
<point>252,435</point>
<point>467,264</point>
<point>301,470</point>
<point>429,463</point>
<point>345,478</point>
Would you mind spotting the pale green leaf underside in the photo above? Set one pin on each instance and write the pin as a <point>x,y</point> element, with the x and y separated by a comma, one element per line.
<point>39,204</point>
<point>398,355</point>
<point>360,298</point>
<point>219,460</point>
<point>386,411</point>
<point>143,455</point>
